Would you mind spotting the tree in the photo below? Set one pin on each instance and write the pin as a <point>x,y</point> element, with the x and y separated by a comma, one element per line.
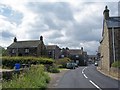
<point>3,51</point>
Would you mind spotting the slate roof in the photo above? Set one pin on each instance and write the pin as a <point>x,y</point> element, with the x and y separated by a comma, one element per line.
<point>51,46</point>
<point>113,22</point>
<point>25,44</point>
<point>75,51</point>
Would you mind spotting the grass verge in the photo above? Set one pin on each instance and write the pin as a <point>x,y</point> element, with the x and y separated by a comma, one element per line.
<point>36,77</point>
<point>116,64</point>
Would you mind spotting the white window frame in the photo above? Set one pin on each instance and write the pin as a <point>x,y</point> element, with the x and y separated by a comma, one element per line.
<point>26,50</point>
<point>13,50</point>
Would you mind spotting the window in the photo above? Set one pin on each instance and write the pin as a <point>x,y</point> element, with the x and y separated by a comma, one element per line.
<point>13,50</point>
<point>26,50</point>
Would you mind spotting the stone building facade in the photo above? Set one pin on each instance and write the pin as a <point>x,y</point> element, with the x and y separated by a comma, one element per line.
<point>53,51</point>
<point>27,48</point>
<point>110,43</point>
<point>33,48</point>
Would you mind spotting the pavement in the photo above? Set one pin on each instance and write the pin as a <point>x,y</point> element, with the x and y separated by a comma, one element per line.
<point>107,74</point>
<point>86,77</point>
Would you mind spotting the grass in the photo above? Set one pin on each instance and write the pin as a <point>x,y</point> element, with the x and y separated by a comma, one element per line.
<point>116,64</point>
<point>36,77</point>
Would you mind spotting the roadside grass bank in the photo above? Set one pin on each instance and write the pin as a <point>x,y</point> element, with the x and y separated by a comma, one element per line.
<point>35,77</point>
<point>116,64</point>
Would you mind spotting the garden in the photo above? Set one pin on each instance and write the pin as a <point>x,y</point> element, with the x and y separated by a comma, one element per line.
<point>35,75</point>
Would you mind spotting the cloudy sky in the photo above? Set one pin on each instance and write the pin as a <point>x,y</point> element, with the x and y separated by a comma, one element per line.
<point>66,23</point>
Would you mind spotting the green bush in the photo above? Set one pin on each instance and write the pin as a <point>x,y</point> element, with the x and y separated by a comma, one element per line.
<point>10,61</point>
<point>53,69</point>
<point>62,62</point>
<point>116,64</point>
<point>36,77</point>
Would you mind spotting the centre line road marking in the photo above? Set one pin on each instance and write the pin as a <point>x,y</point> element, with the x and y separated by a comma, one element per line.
<point>83,69</point>
<point>85,76</point>
<point>95,85</point>
<point>84,73</point>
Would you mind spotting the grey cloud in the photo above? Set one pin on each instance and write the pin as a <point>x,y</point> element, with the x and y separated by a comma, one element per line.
<point>58,15</point>
<point>85,32</point>
<point>6,34</point>
<point>55,35</point>
<point>11,15</point>
<point>53,14</point>
<point>60,9</point>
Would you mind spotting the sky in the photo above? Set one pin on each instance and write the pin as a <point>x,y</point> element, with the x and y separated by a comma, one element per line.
<point>66,23</point>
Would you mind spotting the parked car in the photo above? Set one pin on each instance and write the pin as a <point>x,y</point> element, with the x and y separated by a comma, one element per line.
<point>76,65</point>
<point>70,65</point>
<point>96,63</point>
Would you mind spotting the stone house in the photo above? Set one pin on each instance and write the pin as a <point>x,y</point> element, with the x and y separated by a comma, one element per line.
<point>53,51</point>
<point>27,48</point>
<point>110,43</point>
<point>92,58</point>
<point>64,52</point>
<point>78,55</point>
<point>33,48</point>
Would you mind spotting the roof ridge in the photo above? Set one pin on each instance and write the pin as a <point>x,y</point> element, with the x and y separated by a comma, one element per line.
<point>50,45</point>
<point>28,40</point>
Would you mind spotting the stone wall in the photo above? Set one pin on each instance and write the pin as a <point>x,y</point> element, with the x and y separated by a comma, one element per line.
<point>105,56</point>
<point>115,72</point>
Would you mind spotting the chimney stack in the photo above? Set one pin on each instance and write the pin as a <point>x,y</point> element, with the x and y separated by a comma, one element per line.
<point>106,13</point>
<point>15,39</point>
<point>41,38</point>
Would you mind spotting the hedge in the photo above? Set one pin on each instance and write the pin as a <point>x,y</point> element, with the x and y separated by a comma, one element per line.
<point>116,64</point>
<point>10,61</point>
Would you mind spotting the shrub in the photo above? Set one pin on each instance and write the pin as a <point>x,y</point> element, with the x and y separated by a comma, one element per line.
<point>34,78</point>
<point>62,62</point>
<point>10,61</point>
<point>116,64</point>
<point>53,69</point>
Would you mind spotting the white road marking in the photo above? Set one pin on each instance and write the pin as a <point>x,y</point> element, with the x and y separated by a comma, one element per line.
<point>85,76</point>
<point>95,85</point>
<point>84,73</point>
<point>83,69</point>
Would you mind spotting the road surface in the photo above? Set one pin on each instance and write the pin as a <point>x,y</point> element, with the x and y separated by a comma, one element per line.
<point>87,77</point>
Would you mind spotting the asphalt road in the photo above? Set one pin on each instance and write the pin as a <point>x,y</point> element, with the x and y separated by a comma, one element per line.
<point>87,77</point>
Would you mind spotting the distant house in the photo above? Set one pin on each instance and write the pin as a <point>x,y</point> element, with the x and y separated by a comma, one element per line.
<point>53,51</point>
<point>92,58</point>
<point>110,43</point>
<point>64,52</point>
<point>27,48</point>
<point>78,55</point>
<point>75,52</point>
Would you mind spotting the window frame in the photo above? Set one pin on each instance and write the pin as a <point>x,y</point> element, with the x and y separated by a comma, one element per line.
<point>27,50</point>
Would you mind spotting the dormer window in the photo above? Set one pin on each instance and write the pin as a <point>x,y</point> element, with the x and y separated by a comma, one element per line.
<point>27,50</point>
